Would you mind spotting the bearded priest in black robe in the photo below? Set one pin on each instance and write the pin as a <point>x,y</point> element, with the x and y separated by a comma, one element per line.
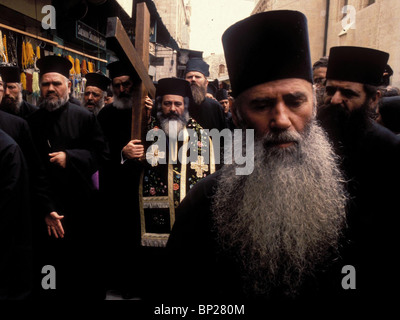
<point>71,145</point>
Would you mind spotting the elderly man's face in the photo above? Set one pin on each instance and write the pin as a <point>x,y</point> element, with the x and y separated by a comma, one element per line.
<point>172,105</point>
<point>348,95</point>
<point>93,97</point>
<point>277,106</point>
<point>11,93</point>
<point>53,86</point>
<point>122,86</point>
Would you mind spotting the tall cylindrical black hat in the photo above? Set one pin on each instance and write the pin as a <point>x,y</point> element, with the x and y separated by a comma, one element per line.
<point>173,86</point>
<point>267,46</point>
<point>10,73</point>
<point>54,64</point>
<point>97,80</point>
<point>356,64</point>
<point>199,65</point>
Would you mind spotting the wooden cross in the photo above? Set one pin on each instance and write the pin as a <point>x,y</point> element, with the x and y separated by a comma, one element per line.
<point>138,56</point>
<point>199,166</point>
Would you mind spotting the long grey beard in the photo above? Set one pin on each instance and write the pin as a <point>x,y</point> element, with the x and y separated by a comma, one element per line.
<point>198,93</point>
<point>286,218</point>
<point>51,105</point>
<point>123,103</point>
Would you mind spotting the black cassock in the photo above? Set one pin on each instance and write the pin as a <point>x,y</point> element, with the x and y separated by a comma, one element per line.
<point>119,185</point>
<point>15,222</point>
<point>75,131</point>
<point>370,160</point>
<point>209,114</point>
<point>199,271</point>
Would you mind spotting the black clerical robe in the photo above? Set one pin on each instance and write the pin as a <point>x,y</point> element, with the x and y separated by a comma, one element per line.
<point>25,110</point>
<point>119,185</point>
<point>15,223</point>
<point>75,131</point>
<point>19,130</point>
<point>209,114</point>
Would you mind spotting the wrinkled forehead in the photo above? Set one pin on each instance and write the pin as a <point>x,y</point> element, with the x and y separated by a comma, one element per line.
<point>52,76</point>
<point>172,97</point>
<point>273,89</point>
<point>93,89</point>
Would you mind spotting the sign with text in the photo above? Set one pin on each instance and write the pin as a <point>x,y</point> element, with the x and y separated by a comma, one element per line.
<point>89,35</point>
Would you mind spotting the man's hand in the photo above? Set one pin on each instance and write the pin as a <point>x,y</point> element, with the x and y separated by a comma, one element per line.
<point>133,150</point>
<point>59,158</point>
<point>148,103</point>
<point>54,225</point>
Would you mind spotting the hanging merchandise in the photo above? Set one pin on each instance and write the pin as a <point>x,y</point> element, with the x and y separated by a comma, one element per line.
<point>84,69</point>
<point>30,55</point>
<point>5,48</point>
<point>72,71</point>
<point>35,84</point>
<point>2,54</point>
<point>90,67</point>
<point>23,80</point>
<point>38,52</point>
<point>77,66</point>
<point>11,49</point>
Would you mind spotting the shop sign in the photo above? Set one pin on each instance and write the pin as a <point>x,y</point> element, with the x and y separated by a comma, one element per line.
<point>89,35</point>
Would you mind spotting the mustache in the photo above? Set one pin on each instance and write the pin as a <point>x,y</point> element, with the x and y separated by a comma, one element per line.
<point>271,139</point>
<point>50,94</point>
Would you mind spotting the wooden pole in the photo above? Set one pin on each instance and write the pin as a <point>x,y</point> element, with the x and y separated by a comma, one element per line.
<point>142,34</point>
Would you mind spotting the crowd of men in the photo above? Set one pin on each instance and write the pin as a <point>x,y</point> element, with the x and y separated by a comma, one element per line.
<point>316,218</point>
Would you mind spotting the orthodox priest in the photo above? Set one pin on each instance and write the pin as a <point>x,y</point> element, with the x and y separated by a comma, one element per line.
<point>15,223</point>
<point>119,181</point>
<point>176,161</point>
<point>181,154</point>
<point>274,234</point>
<point>206,111</point>
<point>12,101</point>
<point>95,91</point>
<point>71,146</point>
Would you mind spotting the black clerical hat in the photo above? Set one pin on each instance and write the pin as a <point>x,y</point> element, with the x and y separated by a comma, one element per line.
<point>173,86</point>
<point>222,94</point>
<point>211,88</point>
<point>54,64</point>
<point>389,110</point>
<point>356,64</point>
<point>265,47</point>
<point>199,65</point>
<point>97,80</point>
<point>10,74</point>
<point>120,68</point>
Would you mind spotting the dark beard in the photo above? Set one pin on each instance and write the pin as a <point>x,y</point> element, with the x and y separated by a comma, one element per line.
<point>11,105</point>
<point>344,127</point>
<point>52,104</point>
<point>198,93</point>
<point>283,222</point>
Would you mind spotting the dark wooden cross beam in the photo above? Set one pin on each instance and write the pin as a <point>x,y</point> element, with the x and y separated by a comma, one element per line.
<point>138,57</point>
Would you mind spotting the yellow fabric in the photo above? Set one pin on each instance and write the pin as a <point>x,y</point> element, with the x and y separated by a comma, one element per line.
<point>23,80</point>
<point>77,66</point>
